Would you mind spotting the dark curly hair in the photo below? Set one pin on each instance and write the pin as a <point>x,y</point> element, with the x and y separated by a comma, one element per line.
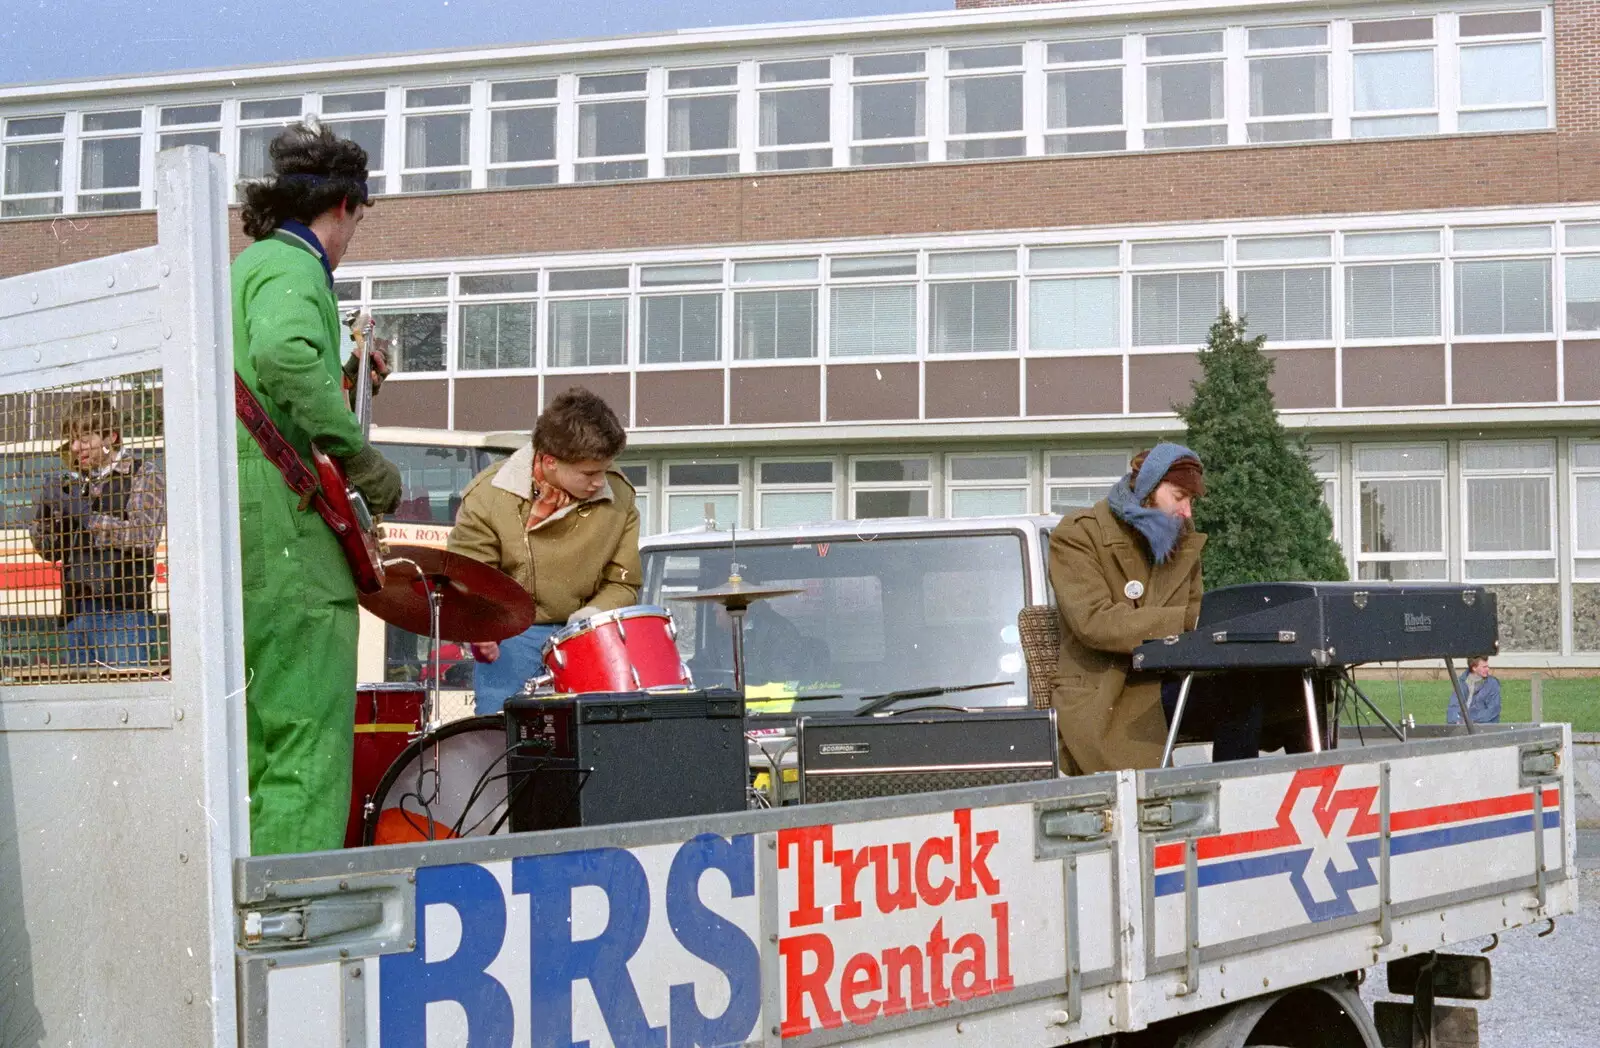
<point>313,170</point>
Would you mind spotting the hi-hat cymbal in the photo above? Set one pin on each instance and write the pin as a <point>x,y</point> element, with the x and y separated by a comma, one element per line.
<point>736,594</point>
<point>477,602</point>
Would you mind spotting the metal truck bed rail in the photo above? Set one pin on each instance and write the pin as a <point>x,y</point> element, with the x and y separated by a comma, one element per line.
<point>1035,914</point>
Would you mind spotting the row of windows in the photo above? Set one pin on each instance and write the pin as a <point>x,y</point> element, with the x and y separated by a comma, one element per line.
<point>1303,288</point>
<point>1507,497</point>
<point>1226,86</point>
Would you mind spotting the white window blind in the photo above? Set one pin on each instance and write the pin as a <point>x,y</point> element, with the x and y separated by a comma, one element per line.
<point>873,321</point>
<point>1288,304</point>
<point>1392,301</point>
<point>776,325</point>
<point>681,329</point>
<point>1174,308</point>
<point>588,333</point>
<point>977,316</point>
<point>1503,298</point>
<point>1583,294</point>
<point>1079,313</point>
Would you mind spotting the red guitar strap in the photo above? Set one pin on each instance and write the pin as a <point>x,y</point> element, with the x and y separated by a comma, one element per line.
<point>282,454</point>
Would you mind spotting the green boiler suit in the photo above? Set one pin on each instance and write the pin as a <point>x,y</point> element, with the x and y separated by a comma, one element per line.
<point>300,615</point>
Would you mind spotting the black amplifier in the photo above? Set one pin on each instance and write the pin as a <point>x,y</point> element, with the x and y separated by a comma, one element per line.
<point>845,758</point>
<point>594,759</point>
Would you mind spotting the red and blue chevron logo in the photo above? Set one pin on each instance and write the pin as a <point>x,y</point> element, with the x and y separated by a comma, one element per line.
<point>1326,840</point>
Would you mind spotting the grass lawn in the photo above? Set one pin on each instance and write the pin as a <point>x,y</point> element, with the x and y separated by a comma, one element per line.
<point>1575,700</point>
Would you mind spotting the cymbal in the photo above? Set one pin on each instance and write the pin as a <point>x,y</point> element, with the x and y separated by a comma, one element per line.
<point>477,602</point>
<point>737,594</point>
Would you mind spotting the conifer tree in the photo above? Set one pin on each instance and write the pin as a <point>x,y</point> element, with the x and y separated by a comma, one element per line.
<point>1263,511</point>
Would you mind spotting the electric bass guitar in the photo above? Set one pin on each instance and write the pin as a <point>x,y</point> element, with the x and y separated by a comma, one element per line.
<point>358,538</point>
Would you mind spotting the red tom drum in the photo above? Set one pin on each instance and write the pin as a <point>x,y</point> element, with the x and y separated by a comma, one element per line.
<point>388,717</point>
<point>630,649</point>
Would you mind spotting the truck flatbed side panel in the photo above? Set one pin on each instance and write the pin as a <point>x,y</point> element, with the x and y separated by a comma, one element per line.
<point>891,920</point>
<point>1342,849</point>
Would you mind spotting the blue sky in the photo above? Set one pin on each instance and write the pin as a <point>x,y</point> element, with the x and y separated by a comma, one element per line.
<point>59,39</point>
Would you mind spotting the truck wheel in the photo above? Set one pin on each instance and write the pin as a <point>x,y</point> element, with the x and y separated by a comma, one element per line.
<point>1327,1014</point>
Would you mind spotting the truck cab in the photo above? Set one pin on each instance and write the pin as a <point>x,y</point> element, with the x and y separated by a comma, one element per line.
<point>885,605</point>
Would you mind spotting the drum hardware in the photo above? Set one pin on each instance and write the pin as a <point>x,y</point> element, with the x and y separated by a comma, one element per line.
<point>736,596</point>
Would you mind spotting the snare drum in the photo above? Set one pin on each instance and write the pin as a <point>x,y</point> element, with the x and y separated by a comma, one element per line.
<point>630,649</point>
<point>388,716</point>
<point>448,783</point>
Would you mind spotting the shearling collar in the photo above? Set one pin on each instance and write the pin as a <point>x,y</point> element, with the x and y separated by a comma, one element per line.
<point>516,476</point>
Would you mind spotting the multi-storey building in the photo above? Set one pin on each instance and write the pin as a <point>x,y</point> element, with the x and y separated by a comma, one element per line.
<point>959,262</point>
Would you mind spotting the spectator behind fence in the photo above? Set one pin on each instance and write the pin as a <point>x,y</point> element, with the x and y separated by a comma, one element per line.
<point>1482,692</point>
<point>101,519</point>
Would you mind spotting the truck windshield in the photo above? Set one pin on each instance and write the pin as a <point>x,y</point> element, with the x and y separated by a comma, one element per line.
<point>875,615</point>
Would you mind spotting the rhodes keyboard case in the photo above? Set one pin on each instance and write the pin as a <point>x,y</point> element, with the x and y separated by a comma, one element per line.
<point>846,758</point>
<point>629,757</point>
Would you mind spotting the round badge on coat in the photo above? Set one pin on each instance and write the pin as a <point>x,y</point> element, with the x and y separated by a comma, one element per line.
<point>1133,590</point>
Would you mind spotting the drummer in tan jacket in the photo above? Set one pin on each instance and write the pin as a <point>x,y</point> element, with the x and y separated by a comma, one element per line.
<point>557,518</point>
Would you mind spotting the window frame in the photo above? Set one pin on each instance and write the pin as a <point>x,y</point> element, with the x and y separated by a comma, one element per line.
<point>504,168</point>
<point>762,489</point>
<point>1576,553</point>
<point>735,91</point>
<point>1223,58</point>
<point>833,284</point>
<point>1438,111</point>
<point>461,303</point>
<point>952,77</point>
<point>768,157</point>
<point>641,96</point>
<point>1325,50</point>
<point>855,82</point>
<point>380,180</point>
<point>1052,481</point>
<point>669,491</point>
<point>143,185</point>
<point>1549,475</point>
<point>243,126</point>
<point>409,113</point>
<point>1042,273</point>
<point>10,140</point>
<point>855,487</point>
<point>1024,484</point>
<point>1441,477</point>
<point>1542,36</point>
<point>1123,65</point>
<point>1436,256</point>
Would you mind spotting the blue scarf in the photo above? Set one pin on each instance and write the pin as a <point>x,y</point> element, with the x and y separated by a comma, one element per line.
<point>1126,498</point>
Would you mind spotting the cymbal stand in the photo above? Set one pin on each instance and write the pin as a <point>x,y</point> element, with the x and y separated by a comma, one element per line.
<point>430,711</point>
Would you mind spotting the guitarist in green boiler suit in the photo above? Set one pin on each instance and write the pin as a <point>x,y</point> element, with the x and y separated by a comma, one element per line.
<point>299,597</point>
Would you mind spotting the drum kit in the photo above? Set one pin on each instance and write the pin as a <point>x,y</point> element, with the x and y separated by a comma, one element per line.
<point>418,778</point>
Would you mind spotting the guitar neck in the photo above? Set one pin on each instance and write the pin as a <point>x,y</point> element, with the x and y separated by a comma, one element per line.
<point>363,388</point>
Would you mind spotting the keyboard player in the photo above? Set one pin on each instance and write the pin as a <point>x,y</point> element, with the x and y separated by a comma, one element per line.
<point>1124,571</point>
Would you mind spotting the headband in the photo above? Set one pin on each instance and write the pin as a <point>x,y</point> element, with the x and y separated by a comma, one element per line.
<point>307,178</point>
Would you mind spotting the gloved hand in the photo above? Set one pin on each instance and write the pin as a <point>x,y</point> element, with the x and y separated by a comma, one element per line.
<point>585,612</point>
<point>380,367</point>
<point>375,477</point>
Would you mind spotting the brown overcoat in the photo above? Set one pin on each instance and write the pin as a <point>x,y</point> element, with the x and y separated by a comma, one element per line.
<point>1109,717</point>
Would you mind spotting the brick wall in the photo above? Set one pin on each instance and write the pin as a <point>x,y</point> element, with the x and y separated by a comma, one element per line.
<point>1329,178</point>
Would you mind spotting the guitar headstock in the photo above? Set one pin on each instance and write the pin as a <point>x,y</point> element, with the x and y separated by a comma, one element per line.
<point>360,325</point>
